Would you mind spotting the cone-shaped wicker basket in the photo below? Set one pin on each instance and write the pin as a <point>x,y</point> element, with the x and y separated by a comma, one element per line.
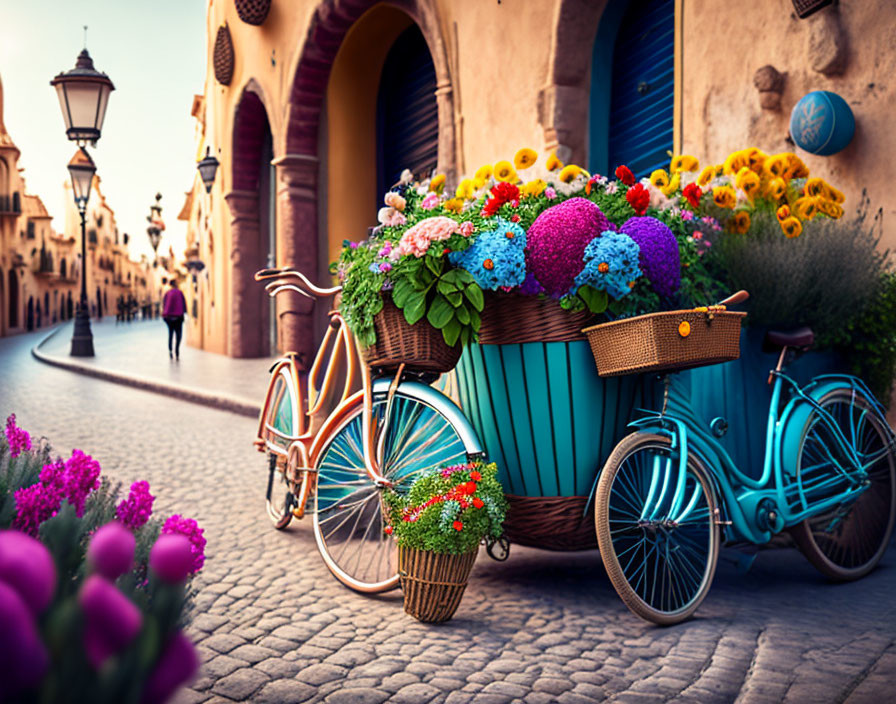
<point>433,583</point>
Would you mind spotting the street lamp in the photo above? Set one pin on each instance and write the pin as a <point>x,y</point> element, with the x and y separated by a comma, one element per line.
<point>82,169</point>
<point>83,94</point>
<point>208,167</point>
<point>156,226</point>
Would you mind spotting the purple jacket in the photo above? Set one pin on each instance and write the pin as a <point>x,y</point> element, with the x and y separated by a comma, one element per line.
<point>174,304</point>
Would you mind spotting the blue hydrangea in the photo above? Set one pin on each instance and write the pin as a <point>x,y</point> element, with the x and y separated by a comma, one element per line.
<point>497,257</point>
<point>611,262</point>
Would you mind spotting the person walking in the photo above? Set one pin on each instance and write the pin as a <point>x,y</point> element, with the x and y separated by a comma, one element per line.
<point>174,307</point>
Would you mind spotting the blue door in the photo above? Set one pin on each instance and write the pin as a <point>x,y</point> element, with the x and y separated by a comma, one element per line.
<point>633,89</point>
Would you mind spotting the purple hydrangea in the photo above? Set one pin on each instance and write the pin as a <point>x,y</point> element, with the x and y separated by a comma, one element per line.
<point>557,241</point>
<point>135,510</point>
<point>82,475</point>
<point>531,287</point>
<point>17,438</point>
<point>660,260</point>
<point>40,501</point>
<point>496,259</point>
<point>611,264</point>
<point>189,528</point>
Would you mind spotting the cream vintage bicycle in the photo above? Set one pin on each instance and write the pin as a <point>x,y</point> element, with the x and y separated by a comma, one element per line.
<point>340,433</point>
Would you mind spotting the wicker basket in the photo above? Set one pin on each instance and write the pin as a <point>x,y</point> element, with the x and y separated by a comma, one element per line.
<point>510,318</point>
<point>222,56</point>
<point>804,8</point>
<point>550,522</point>
<point>253,12</point>
<point>678,339</point>
<point>433,583</point>
<point>420,346</point>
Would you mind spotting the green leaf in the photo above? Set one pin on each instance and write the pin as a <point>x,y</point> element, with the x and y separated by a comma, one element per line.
<point>402,290</point>
<point>463,315</point>
<point>595,300</point>
<point>451,331</point>
<point>474,295</point>
<point>440,313</point>
<point>455,299</point>
<point>475,320</point>
<point>434,264</point>
<point>415,308</point>
<point>445,287</point>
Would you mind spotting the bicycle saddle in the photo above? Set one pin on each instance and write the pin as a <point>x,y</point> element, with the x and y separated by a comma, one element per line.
<point>801,338</point>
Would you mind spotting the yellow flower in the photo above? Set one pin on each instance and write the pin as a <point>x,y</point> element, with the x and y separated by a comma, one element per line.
<point>748,181</point>
<point>479,183</point>
<point>437,183</point>
<point>782,213</point>
<point>776,166</point>
<point>776,189</point>
<point>806,207</point>
<point>504,172</point>
<point>735,162</point>
<point>791,227</point>
<point>707,175</point>
<point>756,158</point>
<point>570,173</point>
<point>455,205</point>
<point>724,197</point>
<point>524,158</point>
<point>465,189</point>
<point>484,173</point>
<point>553,163</point>
<point>740,223</point>
<point>659,178</point>
<point>835,195</point>
<point>830,208</point>
<point>797,168</point>
<point>534,188</point>
<point>673,185</point>
<point>684,162</point>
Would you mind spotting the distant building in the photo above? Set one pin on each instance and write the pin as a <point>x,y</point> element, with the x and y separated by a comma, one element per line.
<point>40,269</point>
<point>315,112</point>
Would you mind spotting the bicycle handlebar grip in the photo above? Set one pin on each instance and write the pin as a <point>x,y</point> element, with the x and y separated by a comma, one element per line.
<point>735,298</point>
<point>264,273</point>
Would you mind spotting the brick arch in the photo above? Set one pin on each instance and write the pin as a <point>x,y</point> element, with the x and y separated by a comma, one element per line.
<point>250,124</point>
<point>298,191</point>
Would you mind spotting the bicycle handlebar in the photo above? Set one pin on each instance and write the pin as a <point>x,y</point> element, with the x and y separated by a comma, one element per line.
<point>288,279</point>
<point>735,298</point>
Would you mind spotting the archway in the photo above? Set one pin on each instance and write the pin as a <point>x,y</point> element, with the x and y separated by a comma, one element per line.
<point>301,183</point>
<point>13,295</point>
<point>251,203</point>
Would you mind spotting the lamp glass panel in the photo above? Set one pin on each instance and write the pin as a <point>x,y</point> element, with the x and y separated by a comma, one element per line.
<point>81,180</point>
<point>60,93</point>
<point>105,90</point>
<point>82,102</point>
<point>207,171</point>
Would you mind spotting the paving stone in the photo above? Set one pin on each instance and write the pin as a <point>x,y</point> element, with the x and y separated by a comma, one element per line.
<point>414,694</point>
<point>240,684</point>
<point>284,691</point>
<point>357,695</point>
<point>252,653</point>
<point>223,642</point>
<point>278,668</point>
<point>222,665</point>
<point>320,673</point>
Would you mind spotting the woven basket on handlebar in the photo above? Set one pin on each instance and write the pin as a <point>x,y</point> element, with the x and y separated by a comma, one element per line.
<point>420,346</point>
<point>678,339</point>
<point>510,318</point>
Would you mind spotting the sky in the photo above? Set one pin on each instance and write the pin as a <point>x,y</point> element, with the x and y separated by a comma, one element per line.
<point>155,55</point>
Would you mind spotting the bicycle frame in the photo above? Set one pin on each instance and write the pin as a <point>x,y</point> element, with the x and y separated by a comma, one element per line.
<point>759,508</point>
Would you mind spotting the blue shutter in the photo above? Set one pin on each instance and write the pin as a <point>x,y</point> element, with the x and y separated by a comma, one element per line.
<point>643,83</point>
<point>407,112</point>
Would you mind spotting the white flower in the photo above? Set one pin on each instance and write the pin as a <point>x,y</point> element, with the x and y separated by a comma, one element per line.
<point>611,188</point>
<point>406,177</point>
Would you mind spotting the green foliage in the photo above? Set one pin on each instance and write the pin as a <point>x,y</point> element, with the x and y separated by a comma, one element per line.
<point>18,472</point>
<point>448,510</point>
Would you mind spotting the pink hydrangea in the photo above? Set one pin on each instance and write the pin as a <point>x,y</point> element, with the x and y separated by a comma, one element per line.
<point>556,241</point>
<point>430,202</point>
<point>466,228</point>
<point>17,438</point>
<point>550,193</point>
<point>135,510</point>
<point>417,239</point>
<point>189,528</point>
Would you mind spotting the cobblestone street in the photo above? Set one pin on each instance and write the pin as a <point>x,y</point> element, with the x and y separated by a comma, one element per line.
<point>273,626</point>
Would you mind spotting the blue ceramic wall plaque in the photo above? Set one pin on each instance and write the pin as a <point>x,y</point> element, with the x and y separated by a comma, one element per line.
<point>822,123</point>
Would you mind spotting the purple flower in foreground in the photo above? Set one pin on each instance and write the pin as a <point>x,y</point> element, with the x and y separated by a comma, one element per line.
<point>111,550</point>
<point>17,438</point>
<point>23,657</point>
<point>178,664</point>
<point>112,620</point>
<point>171,558</point>
<point>135,510</point>
<point>189,528</point>
<point>27,566</point>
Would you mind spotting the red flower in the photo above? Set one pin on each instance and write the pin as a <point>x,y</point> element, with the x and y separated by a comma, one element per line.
<point>475,476</point>
<point>506,192</point>
<point>491,207</point>
<point>477,502</point>
<point>388,530</point>
<point>638,197</point>
<point>692,194</point>
<point>471,487</point>
<point>624,174</point>
<point>514,218</point>
<point>458,525</point>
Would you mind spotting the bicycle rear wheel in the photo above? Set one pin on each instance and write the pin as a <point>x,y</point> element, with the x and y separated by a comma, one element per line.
<point>661,558</point>
<point>848,540</point>
<point>279,498</point>
<point>348,518</point>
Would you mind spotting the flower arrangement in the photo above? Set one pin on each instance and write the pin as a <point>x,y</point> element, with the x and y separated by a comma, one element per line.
<point>448,510</point>
<point>92,597</point>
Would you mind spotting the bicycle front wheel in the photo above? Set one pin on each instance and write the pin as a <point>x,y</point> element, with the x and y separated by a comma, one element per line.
<point>423,432</point>
<point>659,546</point>
<point>848,540</point>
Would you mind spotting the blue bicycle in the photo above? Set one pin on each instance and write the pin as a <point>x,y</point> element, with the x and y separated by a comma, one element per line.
<point>669,494</point>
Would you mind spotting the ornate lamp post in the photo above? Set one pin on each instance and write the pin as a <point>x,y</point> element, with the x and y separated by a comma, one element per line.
<point>155,228</point>
<point>83,94</point>
<point>208,167</point>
